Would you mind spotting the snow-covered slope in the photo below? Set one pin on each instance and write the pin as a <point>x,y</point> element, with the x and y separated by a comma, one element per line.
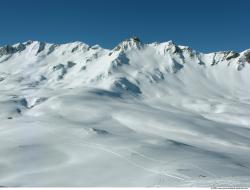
<point>156,114</point>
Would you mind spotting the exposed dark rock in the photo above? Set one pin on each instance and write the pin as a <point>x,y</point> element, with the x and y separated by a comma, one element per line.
<point>7,50</point>
<point>70,64</point>
<point>232,55</point>
<point>88,60</point>
<point>41,47</point>
<point>6,59</point>
<point>28,42</point>
<point>51,49</point>
<point>121,60</point>
<point>106,93</point>
<point>33,84</point>
<point>100,131</point>
<point>23,102</point>
<point>20,47</point>
<point>84,67</point>
<point>117,48</point>
<point>176,49</point>
<point>62,69</point>
<point>247,56</point>
<point>135,38</point>
<point>19,110</point>
<point>176,66</point>
<point>124,84</point>
<point>74,49</point>
<point>57,67</point>
<point>128,43</point>
<point>42,78</point>
<point>240,67</point>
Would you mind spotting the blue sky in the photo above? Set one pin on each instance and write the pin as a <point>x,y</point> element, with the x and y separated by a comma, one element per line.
<point>205,25</point>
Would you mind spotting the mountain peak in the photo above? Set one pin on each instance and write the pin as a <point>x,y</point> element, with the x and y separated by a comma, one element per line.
<point>128,44</point>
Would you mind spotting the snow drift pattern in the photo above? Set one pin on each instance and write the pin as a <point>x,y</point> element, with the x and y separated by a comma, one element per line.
<point>156,114</point>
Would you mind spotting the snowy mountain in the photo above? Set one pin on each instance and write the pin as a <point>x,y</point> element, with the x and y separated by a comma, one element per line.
<point>156,114</point>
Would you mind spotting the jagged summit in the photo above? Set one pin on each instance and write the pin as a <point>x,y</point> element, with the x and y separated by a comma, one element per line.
<point>131,67</point>
<point>128,44</point>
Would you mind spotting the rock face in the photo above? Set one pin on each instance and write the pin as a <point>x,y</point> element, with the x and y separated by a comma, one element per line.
<point>232,55</point>
<point>247,56</point>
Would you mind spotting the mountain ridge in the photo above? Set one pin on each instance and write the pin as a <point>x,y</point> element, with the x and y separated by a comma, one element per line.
<point>131,67</point>
<point>132,39</point>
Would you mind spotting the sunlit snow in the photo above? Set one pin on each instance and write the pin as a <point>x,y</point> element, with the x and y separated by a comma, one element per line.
<point>154,114</point>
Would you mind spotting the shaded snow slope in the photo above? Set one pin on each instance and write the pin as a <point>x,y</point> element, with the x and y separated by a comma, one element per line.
<point>156,114</point>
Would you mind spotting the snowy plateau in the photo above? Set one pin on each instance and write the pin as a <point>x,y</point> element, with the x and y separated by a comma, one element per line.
<point>139,115</point>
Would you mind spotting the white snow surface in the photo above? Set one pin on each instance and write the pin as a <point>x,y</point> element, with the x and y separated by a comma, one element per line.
<point>145,115</point>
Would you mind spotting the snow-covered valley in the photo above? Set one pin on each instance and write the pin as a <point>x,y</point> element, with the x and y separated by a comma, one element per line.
<point>145,115</point>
